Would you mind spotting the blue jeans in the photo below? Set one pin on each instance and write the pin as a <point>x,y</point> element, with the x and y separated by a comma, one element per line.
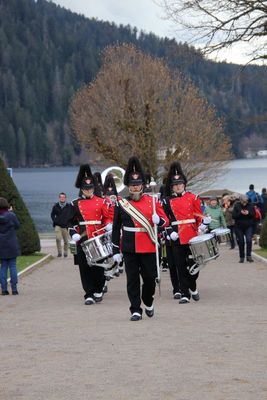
<point>11,264</point>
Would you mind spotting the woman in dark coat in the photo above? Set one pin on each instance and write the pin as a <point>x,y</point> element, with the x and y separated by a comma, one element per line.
<point>9,247</point>
<point>244,216</point>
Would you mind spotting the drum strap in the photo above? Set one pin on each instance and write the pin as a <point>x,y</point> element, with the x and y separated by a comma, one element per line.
<point>139,217</point>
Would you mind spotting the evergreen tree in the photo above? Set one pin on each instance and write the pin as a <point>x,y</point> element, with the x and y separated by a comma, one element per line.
<point>27,234</point>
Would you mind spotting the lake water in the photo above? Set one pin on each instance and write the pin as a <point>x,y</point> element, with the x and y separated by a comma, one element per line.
<point>40,187</point>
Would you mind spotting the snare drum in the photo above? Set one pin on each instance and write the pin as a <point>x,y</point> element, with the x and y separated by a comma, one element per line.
<point>73,247</point>
<point>97,248</point>
<point>204,248</point>
<point>222,235</point>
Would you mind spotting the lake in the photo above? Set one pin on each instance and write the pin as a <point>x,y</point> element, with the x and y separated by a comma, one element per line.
<point>40,187</point>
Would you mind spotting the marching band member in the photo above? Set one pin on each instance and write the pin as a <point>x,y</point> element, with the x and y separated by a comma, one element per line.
<point>135,216</point>
<point>111,198</point>
<point>89,214</point>
<point>99,190</point>
<point>183,210</point>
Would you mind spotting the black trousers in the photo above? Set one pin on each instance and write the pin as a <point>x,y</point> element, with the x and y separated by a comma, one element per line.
<point>143,264</point>
<point>172,262</point>
<point>232,237</point>
<point>92,277</point>
<point>182,260</point>
<point>242,233</point>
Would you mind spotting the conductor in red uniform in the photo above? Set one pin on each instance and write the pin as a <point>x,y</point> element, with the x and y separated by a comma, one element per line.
<point>134,217</point>
<point>89,214</point>
<point>184,211</point>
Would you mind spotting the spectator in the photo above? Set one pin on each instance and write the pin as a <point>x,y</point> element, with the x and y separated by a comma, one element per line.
<point>244,216</point>
<point>214,210</point>
<point>60,215</point>
<point>9,247</point>
<point>254,197</point>
<point>228,204</point>
<point>264,202</point>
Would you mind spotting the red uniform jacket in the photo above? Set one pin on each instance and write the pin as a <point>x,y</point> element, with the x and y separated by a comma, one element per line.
<point>185,207</point>
<point>136,242</point>
<point>94,211</point>
<point>111,206</point>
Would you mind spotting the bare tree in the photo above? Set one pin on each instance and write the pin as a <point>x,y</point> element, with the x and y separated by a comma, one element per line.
<point>137,106</point>
<point>221,23</point>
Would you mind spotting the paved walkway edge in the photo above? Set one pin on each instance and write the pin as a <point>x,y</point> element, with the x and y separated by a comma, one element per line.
<point>259,258</point>
<point>37,264</point>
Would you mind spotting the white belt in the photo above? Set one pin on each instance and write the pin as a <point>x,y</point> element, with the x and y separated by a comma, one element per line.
<point>90,223</point>
<point>131,229</point>
<point>183,221</point>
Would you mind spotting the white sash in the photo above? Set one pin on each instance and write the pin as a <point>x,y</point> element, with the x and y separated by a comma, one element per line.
<point>139,217</point>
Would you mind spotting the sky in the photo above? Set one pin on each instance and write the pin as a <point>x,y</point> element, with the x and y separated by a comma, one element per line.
<point>146,15</point>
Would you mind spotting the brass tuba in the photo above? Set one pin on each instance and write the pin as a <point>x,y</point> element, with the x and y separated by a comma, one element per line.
<point>118,174</point>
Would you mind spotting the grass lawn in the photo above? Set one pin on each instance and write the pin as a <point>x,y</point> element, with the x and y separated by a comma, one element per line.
<point>261,252</point>
<point>25,261</point>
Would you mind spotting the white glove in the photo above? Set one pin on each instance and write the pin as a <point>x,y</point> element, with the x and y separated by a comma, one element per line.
<point>108,227</point>
<point>168,237</point>
<point>174,236</point>
<point>207,220</point>
<point>202,229</point>
<point>155,218</point>
<point>76,237</point>
<point>117,258</point>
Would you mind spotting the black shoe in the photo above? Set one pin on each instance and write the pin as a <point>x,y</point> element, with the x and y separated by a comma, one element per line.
<point>241,260</point>
<point>65,255</point>
<point>195,296</point>
<point>5,292</point>
<point>184,300</point>
<point>98,297</point>
<point>149,313</point>
<point>59,255</point>
<point>136,317</point>
<point>15,292</point>
<point>177,296</point>
<point>250,259</point>
<point>89,301</point>
<point>105,289</point>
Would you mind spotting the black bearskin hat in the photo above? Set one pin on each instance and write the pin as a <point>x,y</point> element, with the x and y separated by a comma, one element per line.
<point>110,186</point>
<point>147,187</point>
<point>85,179</point>
<point>174,177</point>
<point>134,174</point>
<point>98,178</point>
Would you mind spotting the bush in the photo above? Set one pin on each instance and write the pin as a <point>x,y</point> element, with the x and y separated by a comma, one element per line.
<point>27,234</point>
<point>263,235</point>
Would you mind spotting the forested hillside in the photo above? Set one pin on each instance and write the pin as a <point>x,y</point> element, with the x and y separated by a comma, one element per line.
<point>47,52</point>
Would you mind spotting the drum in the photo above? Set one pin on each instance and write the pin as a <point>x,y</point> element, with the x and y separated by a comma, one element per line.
<point>97,248</point>
<point>222,235</point>
<point>204,248</point>
<point>73,247</point>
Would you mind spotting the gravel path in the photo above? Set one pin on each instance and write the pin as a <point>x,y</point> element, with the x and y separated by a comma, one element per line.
<point>53,347</point>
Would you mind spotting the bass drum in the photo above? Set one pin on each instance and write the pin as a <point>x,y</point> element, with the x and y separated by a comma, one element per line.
<point>222,235</point>
<point>204,248</point>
